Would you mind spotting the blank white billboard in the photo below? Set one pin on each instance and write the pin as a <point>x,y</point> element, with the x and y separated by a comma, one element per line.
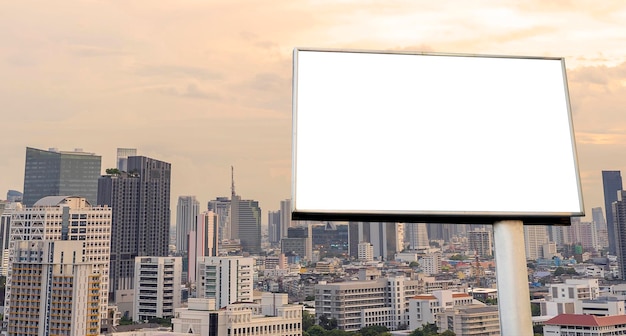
<point>427,136</point>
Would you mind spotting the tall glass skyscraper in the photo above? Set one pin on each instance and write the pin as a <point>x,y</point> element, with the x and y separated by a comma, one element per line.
<point>612,183</point>
<point>60,173</point>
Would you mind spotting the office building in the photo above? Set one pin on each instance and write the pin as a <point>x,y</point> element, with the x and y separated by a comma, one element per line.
<point>6,211</point>
<point>358,304</point>
<point>285,217</point>
<point>157,287</point>
<point>59,218</point>
<point>273,227</point>
<point>611,183</point>
<point>186,213</point>
<point>273,316</point>
<point>535,236</point>
<point>597,216</point>
<point>387,238</point>
<point>431,263</point>
<point>298,242</point>
<point>59,173</point>
<point>55,289</point>
<point>416,236</point>
<point>480,241</point>
<point>203,241</point>
<point>140,203</point>
<point>225,279</point>
<point>619,221</point>
<point>221,207</point>
<point>122,157</point>
<point>248,218</point>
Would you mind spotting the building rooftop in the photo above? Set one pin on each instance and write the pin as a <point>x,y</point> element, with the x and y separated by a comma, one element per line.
<point>52,201</point>
<point>586,320</point>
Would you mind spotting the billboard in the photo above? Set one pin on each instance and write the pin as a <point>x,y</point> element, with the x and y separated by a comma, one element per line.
<point>449,138</point>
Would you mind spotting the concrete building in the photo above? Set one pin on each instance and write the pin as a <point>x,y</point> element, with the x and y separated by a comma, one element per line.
<point>366,251</point>
<point>273,227</point>
<point>416,236</point>
<point>225,279</point>
<point>357,304</point>
<point>576,289</point>
<point>619,226</point>
<point>535,236</point>
<point>424,308</point>
<point>470,320</point>
<point>203,241</point>
<point>247,215</point>
<point>430,263</point>
<point>55,289</point>
<point>65,218</point>
<point>587,325</point>
<point>285,217</point>
<point>612,184</point>
<point>140,203</point>
<point>157,287</point>
<point>59,173</point>
<point>480,241</point>
<point>299,241</point>
<point>387,238</point>
<point>221,207</point>
<point>187,210</point>
<point>273,316</point>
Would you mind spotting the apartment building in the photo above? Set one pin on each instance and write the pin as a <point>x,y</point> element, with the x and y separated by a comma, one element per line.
<point>157,287</point>
<point>55,290</point>
<point>470,320</point>
<point>424,308</point>
<point>226,279</point>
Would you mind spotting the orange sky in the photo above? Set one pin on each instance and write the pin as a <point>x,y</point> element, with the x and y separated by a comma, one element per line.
<point>207,84</point>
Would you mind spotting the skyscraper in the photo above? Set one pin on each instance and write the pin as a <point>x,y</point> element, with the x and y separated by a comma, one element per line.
<point>417,235</point>
<point>122,157</point>
<point>273,226</point>
<point>612,183</point>
<point>221,207</point>
<point>203,241</point>
<point>597,216</point>
<point>248,217</point>
<point>535,236</point>
<point>480,241</point>
<point>285,217</point>
<point>58,173</point>
<point>387,238</point>
<point>619,217</point>
<point>186,213</point>
<point>140,202</point>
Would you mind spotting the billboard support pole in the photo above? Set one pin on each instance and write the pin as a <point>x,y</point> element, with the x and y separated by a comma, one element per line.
<point>512,277</point>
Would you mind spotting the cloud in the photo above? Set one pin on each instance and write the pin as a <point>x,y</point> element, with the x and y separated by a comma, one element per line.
<point>190,91</point>
<point>178,71</point>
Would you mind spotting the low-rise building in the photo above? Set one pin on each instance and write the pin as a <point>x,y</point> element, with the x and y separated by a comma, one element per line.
<point>470,320</point>
<point>588,325</point>
<point>424,308</point>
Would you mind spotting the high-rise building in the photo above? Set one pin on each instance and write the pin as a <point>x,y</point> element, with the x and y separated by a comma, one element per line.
<point>122,157</point>
<point>366,251</point>
<point>619,219</point>
<point>273,226</point>
<point>65,218</point>
<point>535,236</point>
<point>248,217</point>
<point>157,287</point>
<point>387,238</point>
<point>299,241</point>
<point>58,173</point>
<point>140,202</point>
<point>225,279</point>
<point>480,240</point>
<point>611,183</point>
<point>186,213</point>
<point>285,217</point>
<point>55,289</point>
<point>416,236</point>
<point>203,241</point>
<point>221,207</point>
<point>597,216</point>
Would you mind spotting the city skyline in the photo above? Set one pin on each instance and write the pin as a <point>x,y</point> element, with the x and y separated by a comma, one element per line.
<point>205,85</point>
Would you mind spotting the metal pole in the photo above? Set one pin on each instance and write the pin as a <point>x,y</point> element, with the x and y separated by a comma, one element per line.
<point>512,277</point>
